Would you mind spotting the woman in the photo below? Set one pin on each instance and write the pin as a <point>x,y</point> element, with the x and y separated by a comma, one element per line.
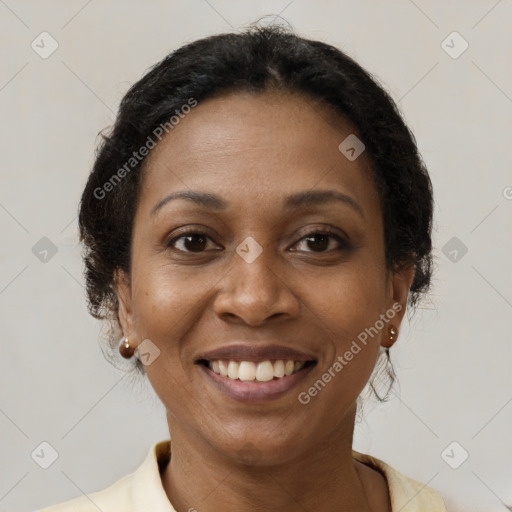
<point>255,226</point>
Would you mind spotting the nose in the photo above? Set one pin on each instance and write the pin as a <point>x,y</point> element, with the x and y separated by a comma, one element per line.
<point>254,293</point>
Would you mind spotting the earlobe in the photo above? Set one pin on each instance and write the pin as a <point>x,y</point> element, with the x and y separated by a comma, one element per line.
<point>400,285</point>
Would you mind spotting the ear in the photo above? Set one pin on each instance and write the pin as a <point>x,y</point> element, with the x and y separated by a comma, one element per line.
<point>399,285</point>
<point>124,297</point>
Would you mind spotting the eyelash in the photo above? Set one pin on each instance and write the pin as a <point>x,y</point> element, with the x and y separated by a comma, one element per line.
<point>326,232</point>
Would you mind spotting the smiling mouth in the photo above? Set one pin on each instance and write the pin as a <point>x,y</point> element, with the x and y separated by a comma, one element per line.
<point>256,371</point>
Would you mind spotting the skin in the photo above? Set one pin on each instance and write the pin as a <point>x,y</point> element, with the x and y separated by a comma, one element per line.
<point>316,295</point>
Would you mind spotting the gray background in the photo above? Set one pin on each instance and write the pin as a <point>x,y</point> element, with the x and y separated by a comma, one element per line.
<point>452,360</point>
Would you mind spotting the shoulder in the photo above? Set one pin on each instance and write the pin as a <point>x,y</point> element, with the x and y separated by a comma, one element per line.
<point>114,497</point>
<point>407,494</point>
<point>140,490</point>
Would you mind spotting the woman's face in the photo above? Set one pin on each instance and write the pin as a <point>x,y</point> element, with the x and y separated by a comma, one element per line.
<point>259,283</point>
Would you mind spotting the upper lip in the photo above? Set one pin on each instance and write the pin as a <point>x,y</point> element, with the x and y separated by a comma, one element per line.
<point>243,352</point>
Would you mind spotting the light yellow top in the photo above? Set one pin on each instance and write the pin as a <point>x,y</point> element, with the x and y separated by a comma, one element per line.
<point>142,490</point>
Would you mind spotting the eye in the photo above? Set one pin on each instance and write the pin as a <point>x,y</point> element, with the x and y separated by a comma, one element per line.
<point>196,241</point>
<point>321,240</point>
<point>192,241</point>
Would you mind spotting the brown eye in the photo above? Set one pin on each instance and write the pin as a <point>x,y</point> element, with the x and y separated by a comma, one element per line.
<point>319,241</point>
<point>193,241</point>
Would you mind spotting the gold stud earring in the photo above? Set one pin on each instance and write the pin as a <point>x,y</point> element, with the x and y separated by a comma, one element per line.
<point>125,349</point>
<point>393,333</point>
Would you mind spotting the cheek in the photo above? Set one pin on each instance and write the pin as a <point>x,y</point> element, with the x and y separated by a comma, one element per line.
<point>350,299</point>
<point>165,305</point>
<point>166,310</point>
<point>349,307</point>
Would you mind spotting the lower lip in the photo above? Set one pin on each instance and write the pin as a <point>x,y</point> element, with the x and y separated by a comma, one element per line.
<point>255,391</point>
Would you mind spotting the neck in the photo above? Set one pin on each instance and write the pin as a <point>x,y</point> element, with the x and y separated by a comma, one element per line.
<point>324,477</point>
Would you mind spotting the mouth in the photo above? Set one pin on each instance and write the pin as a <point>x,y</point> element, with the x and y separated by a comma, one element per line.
<point>255,373</point>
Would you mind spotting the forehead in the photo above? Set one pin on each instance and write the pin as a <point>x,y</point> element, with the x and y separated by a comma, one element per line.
<point>247,147</point>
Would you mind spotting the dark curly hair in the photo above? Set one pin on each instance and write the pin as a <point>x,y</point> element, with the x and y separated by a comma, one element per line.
<point>255,60</point>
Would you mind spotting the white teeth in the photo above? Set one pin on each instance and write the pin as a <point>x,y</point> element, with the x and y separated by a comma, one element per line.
<point>247,370</point>
<point>223,369</point>
<point>263,371</point>
<point>279,369</point>
<point>233,368</point>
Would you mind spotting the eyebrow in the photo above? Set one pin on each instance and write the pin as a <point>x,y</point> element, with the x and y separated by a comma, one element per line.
<point>292,202</point>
